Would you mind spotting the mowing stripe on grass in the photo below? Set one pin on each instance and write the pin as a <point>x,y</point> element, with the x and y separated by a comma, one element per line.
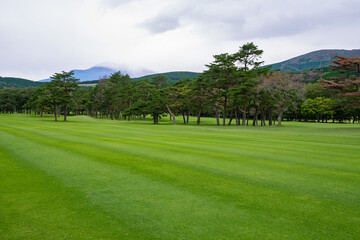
<point>172,182</point>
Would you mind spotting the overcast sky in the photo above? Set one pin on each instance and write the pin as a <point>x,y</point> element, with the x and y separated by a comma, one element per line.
<point>41,37</point>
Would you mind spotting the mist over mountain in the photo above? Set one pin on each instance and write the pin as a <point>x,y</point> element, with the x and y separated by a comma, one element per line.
<point>97,72</point>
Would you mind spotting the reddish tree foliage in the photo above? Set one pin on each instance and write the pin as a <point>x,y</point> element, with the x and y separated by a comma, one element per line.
<point>348,80</point>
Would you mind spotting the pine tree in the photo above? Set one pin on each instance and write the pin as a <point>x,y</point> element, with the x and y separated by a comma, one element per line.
<point>347,81</point>
<point>62,86</point>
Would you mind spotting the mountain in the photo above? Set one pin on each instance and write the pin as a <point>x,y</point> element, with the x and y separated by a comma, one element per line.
<point>313,60</point>
<point>90,74</point>
<point>97,72</point>
<point>11,82</point>
<point>172,76</point>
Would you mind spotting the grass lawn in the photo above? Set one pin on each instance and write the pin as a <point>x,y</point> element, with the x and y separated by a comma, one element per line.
<point>103,179</point>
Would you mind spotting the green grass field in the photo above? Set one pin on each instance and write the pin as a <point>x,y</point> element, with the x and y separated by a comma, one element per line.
<point>103,179</point>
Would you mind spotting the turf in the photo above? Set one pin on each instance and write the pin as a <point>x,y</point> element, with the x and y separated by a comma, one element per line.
<point>102,179</point>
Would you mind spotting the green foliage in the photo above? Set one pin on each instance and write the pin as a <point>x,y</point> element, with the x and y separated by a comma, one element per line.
<point>234,87</point>
<point>13,100</point>
<point>319,108</point>
<point>330,74</point>
<point>283,93</point>
<point>159,81</point>
<point>59,92</point>
<point>158,97</point>
<point>234,77</point>
<point>315,90</point>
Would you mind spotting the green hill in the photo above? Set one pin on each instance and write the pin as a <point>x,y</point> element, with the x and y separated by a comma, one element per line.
<point>172,76</point>
<point>11,82</point>
<point>312,60</point>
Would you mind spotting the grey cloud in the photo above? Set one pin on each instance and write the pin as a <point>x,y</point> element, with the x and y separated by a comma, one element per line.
<point>237,20</point>
<point>160,24</point>
<point>115,3</point>
<point>41,35</point>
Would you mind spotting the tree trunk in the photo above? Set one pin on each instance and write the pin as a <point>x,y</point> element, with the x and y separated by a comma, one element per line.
<point>244,116</point>
<point>217,117</point>
<point>280,118</point>
<point>263,118</point>
<point>171,114</point>
<point>65,112</point>
<point>55,112</point>
<point>183,114</point>
<point>156,119</point>
<point>237,118</point>
<point>198,118</point>
<point>255,120</point>
<point>224,111</point>
<point>270,117</point>
<point>231,118</point>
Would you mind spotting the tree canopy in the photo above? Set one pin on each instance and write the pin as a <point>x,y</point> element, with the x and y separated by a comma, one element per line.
<point>234,89</point>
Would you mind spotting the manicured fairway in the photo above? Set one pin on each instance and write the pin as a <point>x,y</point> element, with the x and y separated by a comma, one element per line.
<point>103,179</point>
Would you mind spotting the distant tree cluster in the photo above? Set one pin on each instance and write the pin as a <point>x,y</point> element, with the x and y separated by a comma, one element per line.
<point>55,96</point>
<point>14,100</point>
<point>234,89</point>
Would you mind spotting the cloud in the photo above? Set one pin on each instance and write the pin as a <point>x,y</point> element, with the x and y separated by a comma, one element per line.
<point>40,37</point>
<point>161,24</point>
<point>238,20</point>
<point>114,3</point>
<point>126,69</point>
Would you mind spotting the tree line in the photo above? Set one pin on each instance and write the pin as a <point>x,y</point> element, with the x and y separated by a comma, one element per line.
<point>234,89</point>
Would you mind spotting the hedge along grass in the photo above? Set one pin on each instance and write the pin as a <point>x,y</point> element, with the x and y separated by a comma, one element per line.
<point>101,179</point>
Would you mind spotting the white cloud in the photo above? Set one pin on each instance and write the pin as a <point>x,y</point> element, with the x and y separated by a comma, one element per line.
<point>40,37</point>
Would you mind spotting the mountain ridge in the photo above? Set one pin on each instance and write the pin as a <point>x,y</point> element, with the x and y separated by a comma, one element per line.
<point>312,60</point>
<point>13,82</point>
<point>172,76</point>
<point>93,73</point>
